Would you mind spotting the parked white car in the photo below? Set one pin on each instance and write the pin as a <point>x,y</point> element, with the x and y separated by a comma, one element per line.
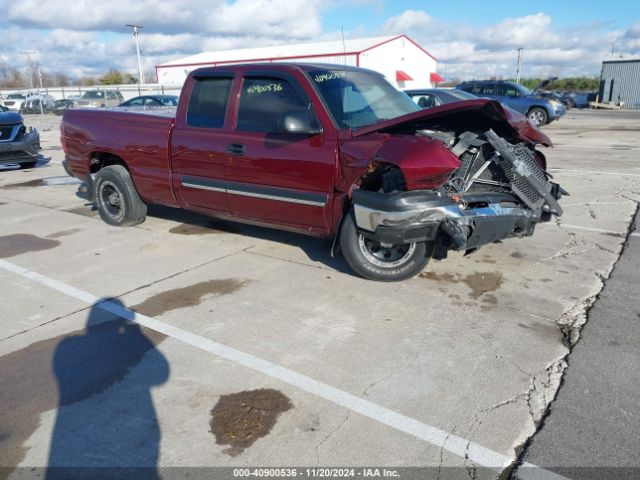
<point>14,101</point>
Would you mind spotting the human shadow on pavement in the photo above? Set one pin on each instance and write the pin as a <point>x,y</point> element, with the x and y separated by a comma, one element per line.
<point>106,424</point>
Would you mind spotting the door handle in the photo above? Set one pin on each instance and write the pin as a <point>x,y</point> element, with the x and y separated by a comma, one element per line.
<point>236,149</point>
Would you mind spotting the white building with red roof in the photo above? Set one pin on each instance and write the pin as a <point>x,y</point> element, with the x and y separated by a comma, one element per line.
<point>401,60</point>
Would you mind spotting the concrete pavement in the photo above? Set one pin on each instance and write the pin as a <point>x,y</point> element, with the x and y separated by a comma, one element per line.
<point>451,369</point>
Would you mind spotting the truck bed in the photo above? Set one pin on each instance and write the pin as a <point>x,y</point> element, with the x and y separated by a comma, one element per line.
<point>142,137</point>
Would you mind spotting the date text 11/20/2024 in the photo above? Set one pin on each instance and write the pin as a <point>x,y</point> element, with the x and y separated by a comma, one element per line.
<point>315,472</point>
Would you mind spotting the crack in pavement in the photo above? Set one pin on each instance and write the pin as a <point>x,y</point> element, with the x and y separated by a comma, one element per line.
<point>573,327</point>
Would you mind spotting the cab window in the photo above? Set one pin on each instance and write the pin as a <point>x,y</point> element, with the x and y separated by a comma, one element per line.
<point>208,103</point>
<point>265,101</point>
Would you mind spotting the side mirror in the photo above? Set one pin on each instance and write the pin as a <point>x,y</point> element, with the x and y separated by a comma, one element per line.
<point>299,123</point>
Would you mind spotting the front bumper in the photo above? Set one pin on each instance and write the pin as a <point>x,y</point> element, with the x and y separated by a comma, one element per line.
<point>23,149</point>
<point>459,222</point>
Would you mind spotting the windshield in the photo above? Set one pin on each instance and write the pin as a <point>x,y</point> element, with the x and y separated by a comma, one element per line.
<point>14,96</point>
<point>359,98</point>
<point>93,94</point>
<point>462,95</point>
<point>524,90</point>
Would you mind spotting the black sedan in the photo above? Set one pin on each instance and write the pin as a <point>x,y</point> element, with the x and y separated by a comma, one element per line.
<point>432,97</point>
<point>151,101</point>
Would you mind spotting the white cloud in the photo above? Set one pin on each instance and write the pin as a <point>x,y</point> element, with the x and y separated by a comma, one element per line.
<point>520,32</point>
<point>407,21</point>
<point>300,19</point>
<point>86,37</point>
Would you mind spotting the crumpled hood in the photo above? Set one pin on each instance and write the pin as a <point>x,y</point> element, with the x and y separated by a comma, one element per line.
<point>10,118</point>
<point>480,114</point>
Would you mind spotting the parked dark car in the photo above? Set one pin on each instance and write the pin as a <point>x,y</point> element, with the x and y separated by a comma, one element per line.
<point>581,99</point>
<point>18,144</point>
<point>432,97</point>
<point>538,109</point>
<point>152,101</point>
<point>38,104</point>
<point>61,105</point>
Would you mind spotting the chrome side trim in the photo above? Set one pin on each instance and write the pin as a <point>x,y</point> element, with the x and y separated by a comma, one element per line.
<point>277,198</point>
<point>255,191</point>
<point>204,187</point>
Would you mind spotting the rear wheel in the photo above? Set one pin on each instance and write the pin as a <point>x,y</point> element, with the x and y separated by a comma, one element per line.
<point>538,116</point>
<point>116,197</point>
<point>386,262</point>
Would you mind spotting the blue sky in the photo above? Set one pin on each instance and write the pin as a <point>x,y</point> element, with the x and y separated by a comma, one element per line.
<point>565,13</point>
<point>471,39</point>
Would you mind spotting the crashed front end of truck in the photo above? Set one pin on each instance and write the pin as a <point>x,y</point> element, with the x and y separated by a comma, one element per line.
<point>499,189</point>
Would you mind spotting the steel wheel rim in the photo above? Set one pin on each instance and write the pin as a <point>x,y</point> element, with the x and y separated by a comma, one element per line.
<point>536,117</point>
<point>111,199</point>
<point>383,254</point>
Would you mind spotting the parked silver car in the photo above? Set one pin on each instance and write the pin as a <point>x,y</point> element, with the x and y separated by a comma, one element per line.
<point>100,99</point>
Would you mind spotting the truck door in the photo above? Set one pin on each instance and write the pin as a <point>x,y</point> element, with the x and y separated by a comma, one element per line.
<point>198,147</point>
<point>273,175</point>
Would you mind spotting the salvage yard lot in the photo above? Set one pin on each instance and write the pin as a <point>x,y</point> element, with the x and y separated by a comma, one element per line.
<point>451,368</point>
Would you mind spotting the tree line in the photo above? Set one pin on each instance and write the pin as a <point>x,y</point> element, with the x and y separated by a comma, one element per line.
<point>18,78</point>
<point>565,84</point>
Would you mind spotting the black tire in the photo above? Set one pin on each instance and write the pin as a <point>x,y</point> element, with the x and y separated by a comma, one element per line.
<point>24,165</point>
<point>368,258</point>
<point>116,197</point>
<point>538,116</point>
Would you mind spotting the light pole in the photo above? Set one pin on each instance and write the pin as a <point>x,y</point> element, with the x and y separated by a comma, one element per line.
<point>135,35</point>
<point>518,67</point>
<point>28,54</point>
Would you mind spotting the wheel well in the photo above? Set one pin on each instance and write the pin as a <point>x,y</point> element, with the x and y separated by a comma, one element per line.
<point>541,107</point>
<point>380,177</point>
<point>383,177</point>
<point>99,160</point>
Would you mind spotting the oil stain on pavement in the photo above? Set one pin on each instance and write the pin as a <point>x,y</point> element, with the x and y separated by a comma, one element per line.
<point>187,296</point>
<point>479,282</point>
<point>239,419</point>
<point>18,243</point>
<point>61,372</point>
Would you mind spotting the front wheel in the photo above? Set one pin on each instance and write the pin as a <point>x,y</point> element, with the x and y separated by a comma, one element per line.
<point>386,262</point>
<point>116,197</point>
<point>538,116</point>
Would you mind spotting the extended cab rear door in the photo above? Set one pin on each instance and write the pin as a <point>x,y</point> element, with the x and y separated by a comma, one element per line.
<point>199,141</point>
<point>275,176</point>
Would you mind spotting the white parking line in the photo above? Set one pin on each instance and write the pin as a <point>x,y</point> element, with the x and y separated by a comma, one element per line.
<point>477,454</point>
<point>596,230</point>
<point>596,172</point>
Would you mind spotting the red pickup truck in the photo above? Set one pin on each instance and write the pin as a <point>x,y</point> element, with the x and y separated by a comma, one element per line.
<point>325,150</point>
